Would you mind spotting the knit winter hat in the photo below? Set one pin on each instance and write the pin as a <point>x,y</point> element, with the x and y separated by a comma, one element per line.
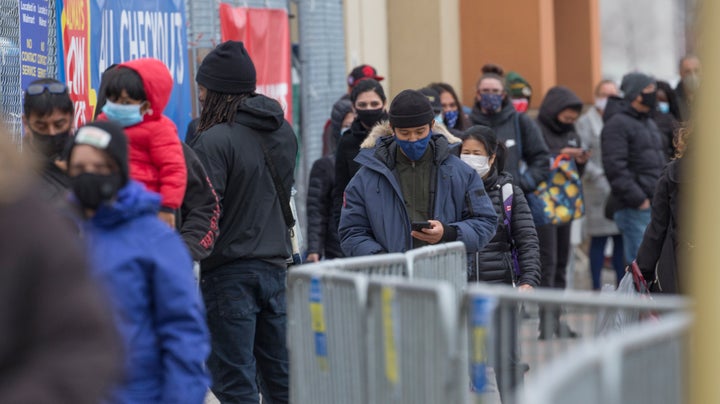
<point>434,98</point>
<point>361,73</point>
<point>517,86</point>
<point>228,69</point>
<point>410,109</point>
<point>108,137</point>
<point>634,83</point>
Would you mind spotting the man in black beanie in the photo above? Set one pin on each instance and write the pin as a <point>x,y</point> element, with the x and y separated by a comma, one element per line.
<point>412,190</point>
<point>633,158</point>
<point>248,150</point>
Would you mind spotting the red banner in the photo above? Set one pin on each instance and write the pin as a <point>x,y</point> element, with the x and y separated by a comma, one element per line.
<point>266,34</point>
<point>75,22</point>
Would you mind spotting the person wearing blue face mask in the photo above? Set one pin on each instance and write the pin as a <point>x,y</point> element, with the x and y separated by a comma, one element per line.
<point>410,173</point>
<point>667,116</point>
<point>136,94</point>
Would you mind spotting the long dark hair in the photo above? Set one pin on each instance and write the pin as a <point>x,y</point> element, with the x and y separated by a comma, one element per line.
<point>220,108</point>
<point>672,98</point>
<point>447,88</point>
<point>486,136</point>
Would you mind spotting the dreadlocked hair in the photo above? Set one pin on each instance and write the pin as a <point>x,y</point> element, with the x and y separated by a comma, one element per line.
<point>220,108</point>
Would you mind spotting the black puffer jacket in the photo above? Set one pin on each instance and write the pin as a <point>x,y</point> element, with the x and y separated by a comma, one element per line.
<point>632,152</point>
<point>494,263</point>
<point>535,154</point>
<point>322,233</point>
<point>345,165</point>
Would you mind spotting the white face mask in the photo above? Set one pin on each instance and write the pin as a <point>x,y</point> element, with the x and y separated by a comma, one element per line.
<point>481,164</point>
<point>601,103</point>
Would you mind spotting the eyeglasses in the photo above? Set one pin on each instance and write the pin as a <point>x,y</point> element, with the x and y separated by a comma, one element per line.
<point>52,88</point>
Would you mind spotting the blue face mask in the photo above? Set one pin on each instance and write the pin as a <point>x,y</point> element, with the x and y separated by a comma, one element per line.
<point>439,119</point>
<point>123,115</point>
<point>663,107</point>
<point>451,118</point>
<point>414,150</point>
<point>491,102</point>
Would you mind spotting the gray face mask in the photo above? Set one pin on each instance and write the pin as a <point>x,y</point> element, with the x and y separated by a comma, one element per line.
<point>691,83</point>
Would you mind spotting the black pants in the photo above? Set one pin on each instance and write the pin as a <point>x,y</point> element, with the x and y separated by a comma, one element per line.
<point>554,254</point>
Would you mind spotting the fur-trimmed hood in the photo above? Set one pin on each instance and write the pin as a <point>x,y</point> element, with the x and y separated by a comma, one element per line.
<point>383,129</point>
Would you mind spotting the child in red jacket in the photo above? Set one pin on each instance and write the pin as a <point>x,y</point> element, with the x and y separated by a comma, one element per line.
<point>137,93</point>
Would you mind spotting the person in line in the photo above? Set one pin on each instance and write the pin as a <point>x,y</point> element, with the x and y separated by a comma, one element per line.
<point>596,189</point>
<point>496,263</point>
<point>136,94</point>
<point>657,256</point>
<point>368,102</point>
<point>59,342</point>
<point>249,151</point>
<point>666,116</point>
<point>322,236</point>
<point>145,270</point>
<point>633,158</point>
<point>48,116</point>
<point>410,174</point>
<point>558,112</point>
<point>690,70</point>
<point>527,158</point>
<point>454,117</point>
<point>520,92</point>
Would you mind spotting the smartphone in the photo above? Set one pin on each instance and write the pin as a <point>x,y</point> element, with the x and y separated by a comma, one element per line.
<point>418,226</point>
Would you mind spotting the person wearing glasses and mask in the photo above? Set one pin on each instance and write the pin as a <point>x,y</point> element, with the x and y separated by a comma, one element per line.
<point>48,124</point>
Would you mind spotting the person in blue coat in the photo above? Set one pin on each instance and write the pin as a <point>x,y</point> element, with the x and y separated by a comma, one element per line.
<point>410,173</point>
<point>146,271</point>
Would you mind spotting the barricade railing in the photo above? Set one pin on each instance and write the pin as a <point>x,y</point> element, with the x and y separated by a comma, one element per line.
<point>417,350</point>
<point>642,365</point>
<point>327,335</point>
<point>446,262</point>
<point>383,264</point>
<point>519,334</point>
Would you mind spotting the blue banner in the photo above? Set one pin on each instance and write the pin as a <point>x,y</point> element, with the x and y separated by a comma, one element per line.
<point>33,40</point>
<point>123,30</point>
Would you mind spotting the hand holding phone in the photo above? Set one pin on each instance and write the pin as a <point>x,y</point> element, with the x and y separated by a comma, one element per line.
<point>418,226</point>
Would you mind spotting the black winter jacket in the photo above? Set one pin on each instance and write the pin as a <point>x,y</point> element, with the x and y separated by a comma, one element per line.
<point>494,263</point>
<point>632,153</point>
<point>660,241</point>
<point>345,165</point>
<point>322,233</point>
<point>200,211</point>
<point>534,150</point>
<point>557,138</point>
<point>251,221</point>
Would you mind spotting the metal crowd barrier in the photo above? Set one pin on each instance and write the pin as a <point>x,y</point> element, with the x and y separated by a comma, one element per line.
<point>643,365</point>
<point>327,336</point>
<point>446,262</point>
<point>417,352</point>
<point>505,327</point>
<point>383,264</point>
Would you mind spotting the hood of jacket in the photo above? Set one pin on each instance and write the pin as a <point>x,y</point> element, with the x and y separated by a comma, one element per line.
<point>383,129</point>
<point>261,113</point>
<point>556,100</point>
<point>614,106</point>
<point>133,201</point>
<point>492,120</point>
<point>495,179</point>
<point>157,81</point>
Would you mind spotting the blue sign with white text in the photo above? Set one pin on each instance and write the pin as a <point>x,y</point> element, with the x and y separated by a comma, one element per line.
<point>33,40</point>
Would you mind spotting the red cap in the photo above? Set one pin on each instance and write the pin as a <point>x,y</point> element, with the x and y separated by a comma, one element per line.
<point>361,73</point>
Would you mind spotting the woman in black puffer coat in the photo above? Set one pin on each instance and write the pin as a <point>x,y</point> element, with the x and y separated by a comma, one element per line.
<point>494,264</point>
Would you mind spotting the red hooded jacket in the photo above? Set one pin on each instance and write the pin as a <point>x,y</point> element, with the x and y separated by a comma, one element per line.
<point>156,155</point>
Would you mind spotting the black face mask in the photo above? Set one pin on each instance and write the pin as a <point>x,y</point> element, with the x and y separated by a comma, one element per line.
<point>93,189</point>
<point>565,127</point>
<point>649,100</point>
<point>50,146</point>
<point>369,117</point>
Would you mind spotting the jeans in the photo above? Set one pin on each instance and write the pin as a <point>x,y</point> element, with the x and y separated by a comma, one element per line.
<point>245,303</point>
<point>597,258</point>
<point>632,224</point>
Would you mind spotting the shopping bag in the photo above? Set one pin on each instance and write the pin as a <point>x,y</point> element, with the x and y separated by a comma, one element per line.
<point>610,321</point>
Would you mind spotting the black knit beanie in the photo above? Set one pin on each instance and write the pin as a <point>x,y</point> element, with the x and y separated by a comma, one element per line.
<point>108,137</point>
<point>228,69</point>
<point>410,109</point>
<point>634,83</point>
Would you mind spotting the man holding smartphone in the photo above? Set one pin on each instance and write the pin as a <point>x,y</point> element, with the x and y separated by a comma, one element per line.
<point>412,190</point>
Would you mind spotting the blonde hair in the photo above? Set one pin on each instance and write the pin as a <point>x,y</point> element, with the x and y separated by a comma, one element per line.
<point>680,141</point>
<point>16,170</point>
